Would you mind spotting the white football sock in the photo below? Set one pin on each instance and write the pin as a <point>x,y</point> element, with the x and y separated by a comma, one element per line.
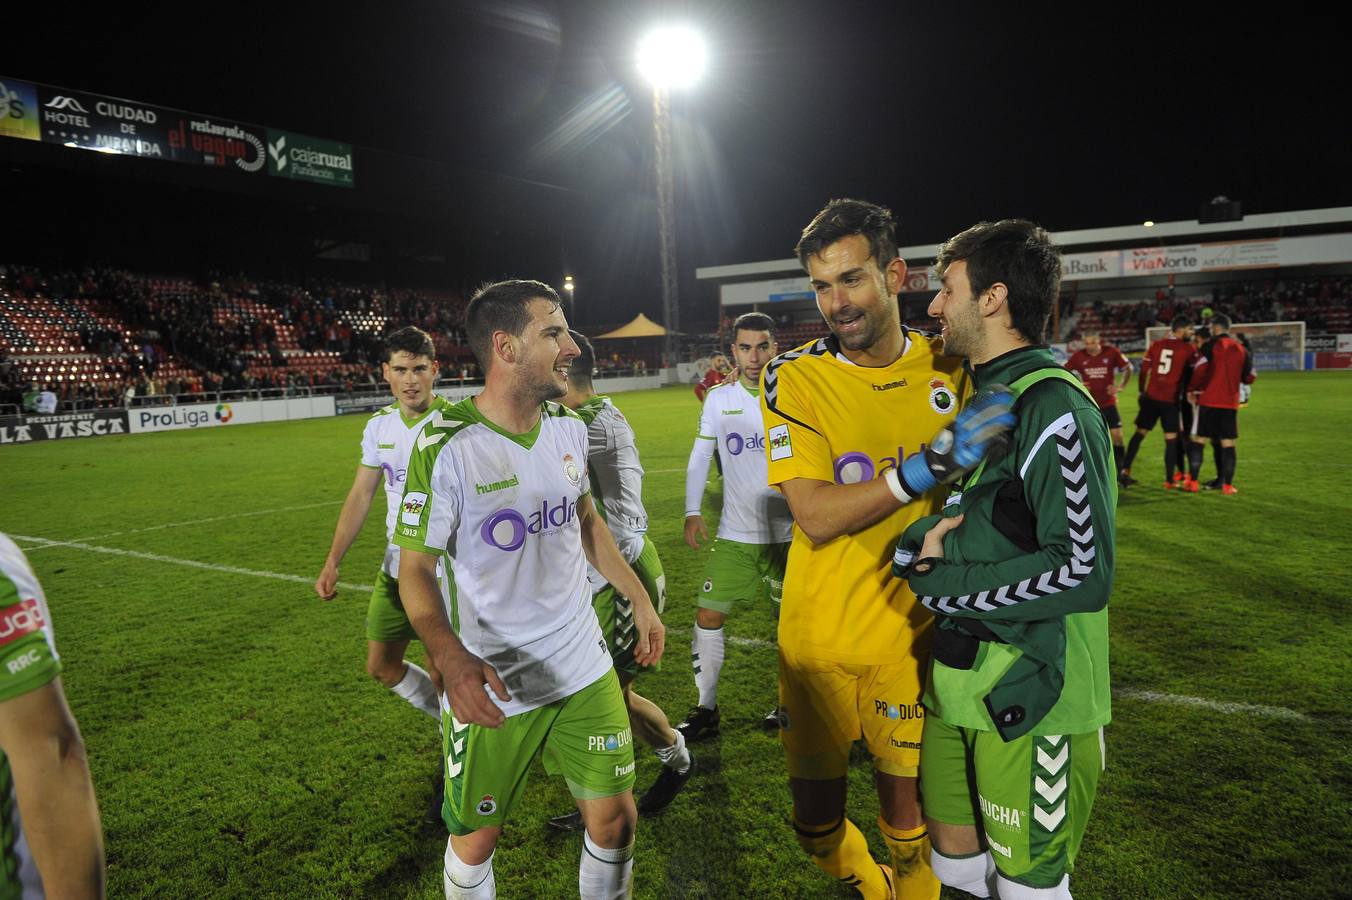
<point>465,882</point>
<point>675,756</point>
<point>417,688</point>
<point>604,874</point>
<point>966,873</point>
<point>706,649</point>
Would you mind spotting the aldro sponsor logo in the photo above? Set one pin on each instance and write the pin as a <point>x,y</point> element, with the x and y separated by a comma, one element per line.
<point>855,466</point>
<point>508,529</point>
<point>737,443</point>
<point>608,743</point>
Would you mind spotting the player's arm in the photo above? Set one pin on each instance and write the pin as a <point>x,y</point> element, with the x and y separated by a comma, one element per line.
<point>1071,569</point>
<point>350,520</point>
<point>825,510</point>
<point>696,476</point>
<point>46,755</point>
<point>463,674</point>
<point>1121,375</point>
<point>1147,366</point>
<point>1201,373</point>
<point>599,546</point>
<point>1247,375</point>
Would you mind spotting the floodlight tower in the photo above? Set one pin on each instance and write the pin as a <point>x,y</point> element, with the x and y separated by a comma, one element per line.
<point>669,58</point>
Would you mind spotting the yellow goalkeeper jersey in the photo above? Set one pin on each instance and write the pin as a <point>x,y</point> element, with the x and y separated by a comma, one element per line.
<point>831,420</point>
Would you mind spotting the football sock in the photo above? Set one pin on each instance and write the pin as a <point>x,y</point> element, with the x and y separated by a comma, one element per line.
<point>840,851</point>
<point>465,882</point>
<point>1227,465</point>
<point>1132,446</point>
<point>1118,453</point>
<point>604,874</point>
<point>1170,459</point>
<point>1218,454</point>
<point>706,650</point>
<point>676,756</point>
<point>912,877</point>
<point>972,874</point>
<point>1012,890</point>
<point>1194,460</point>
<point>1181,450</point>
<point>416,687</point>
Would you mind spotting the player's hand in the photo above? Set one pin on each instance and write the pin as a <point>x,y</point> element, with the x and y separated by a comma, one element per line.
<point>1114,389</point>
<point>733,374</point>
<point>464,676</point>
<point>1194,396</point>
<point>980,427</point>
<point>933,546</point>
<point>326,585</point>
<point>649,632</point>
<point>695,532</point>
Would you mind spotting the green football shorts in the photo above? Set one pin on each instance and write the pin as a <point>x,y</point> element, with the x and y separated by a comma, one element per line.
<point>1034,794</point>
<point>586,739</point>
<point>736,571</point>
<point>385,617</point>
<point>616,613</point>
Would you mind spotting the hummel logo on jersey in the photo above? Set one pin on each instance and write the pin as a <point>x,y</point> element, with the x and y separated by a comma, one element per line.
<point>890,385</point>
<point>732,412</point>
<point>389,446</point>
<point>496,485</point>
<point>23,618</point>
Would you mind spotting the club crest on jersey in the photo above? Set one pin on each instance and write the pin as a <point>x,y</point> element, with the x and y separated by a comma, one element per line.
<point>941,398</point>
<point>411,513</point>
<point>571,471</point>
<point>708,586</point>
<point>486,806</point>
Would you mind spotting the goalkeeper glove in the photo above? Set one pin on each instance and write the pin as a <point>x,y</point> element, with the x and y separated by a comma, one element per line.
<point>957,449</point>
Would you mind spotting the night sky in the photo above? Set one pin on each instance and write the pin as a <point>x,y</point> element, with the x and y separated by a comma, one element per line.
<point>1068,116</point>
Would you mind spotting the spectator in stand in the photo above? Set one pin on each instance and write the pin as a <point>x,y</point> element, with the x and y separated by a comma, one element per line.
<point>46,402</point>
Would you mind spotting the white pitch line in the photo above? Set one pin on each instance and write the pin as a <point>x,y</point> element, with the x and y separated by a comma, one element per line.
<point>1246,709</point>
<point>243,515</point>
<point>192,563</point>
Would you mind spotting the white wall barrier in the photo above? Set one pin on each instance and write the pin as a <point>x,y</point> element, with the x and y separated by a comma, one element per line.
<point>216,415</point>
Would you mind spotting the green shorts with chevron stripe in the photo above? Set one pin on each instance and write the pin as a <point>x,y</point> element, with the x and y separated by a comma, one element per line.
<point>616,613</point>
<point>1033,794</point>
<point>585,737</point>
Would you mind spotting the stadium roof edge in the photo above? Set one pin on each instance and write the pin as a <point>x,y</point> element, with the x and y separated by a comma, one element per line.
<point>1260,221</point>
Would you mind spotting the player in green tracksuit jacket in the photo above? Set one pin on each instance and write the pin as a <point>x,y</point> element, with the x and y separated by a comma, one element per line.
<point>1017,571</point>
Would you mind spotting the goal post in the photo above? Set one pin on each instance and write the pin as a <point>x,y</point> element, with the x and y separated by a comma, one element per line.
<point>1274,345</point>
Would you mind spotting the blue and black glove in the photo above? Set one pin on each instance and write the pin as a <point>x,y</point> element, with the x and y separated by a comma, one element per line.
<point>980,428</point>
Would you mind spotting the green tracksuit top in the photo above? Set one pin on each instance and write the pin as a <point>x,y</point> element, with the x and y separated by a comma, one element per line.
<point>1020,597</point>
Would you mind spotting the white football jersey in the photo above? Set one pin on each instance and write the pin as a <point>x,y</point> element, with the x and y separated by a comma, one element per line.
<point>505,507</point>
<point>386,444</point>
<point>617,474</point>
<point>753,512</point>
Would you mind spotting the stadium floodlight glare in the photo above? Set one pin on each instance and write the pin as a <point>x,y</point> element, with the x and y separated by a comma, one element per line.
<point>1149,223</point>
<point>671,57</point>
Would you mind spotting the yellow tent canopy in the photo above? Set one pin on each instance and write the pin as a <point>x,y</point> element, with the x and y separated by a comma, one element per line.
<point>641,326</point>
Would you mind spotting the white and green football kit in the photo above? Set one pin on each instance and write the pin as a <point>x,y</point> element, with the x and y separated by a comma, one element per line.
<point>617,489</point>
<point>386,444</point>
<point>28,660</point>
<point>505,507</point>
<point>754,514</point>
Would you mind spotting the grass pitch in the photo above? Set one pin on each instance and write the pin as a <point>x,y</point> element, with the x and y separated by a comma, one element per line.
<point>239,749</point>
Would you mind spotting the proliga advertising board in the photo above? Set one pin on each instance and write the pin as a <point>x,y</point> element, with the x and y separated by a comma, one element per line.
<point>217,415</point>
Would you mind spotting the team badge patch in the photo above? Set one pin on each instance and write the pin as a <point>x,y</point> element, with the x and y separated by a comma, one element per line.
<point>571,471</point>
<point>487,806</point>
<point>781,447</point>
<point>411,511</point>
<point>941,397</point>
<point>708,586</point>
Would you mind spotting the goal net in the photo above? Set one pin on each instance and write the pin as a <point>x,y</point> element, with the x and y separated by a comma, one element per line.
<point>1274,345</point>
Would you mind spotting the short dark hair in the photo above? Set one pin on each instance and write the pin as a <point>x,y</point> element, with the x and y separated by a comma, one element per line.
<point>582,366</point>
<point>1022,256</point>
<point>1180,322</point>
<point>1220,321</point>
<point>411,340</point>
<point>501,306</point>
<point>753,321</point>
<point>842,218</point>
